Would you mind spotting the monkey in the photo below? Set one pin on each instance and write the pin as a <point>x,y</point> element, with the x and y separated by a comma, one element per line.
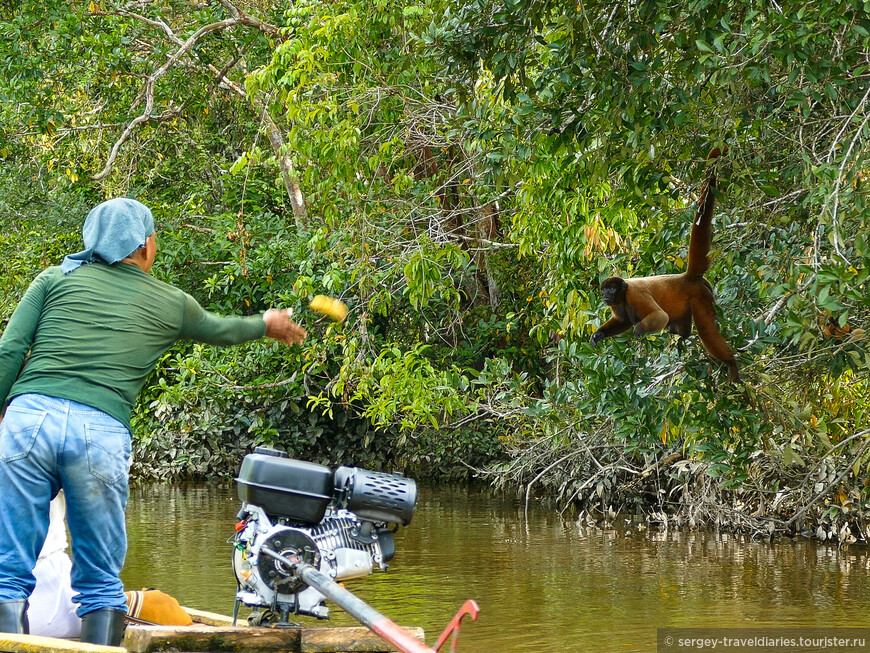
<point>831,328</point>
<point>650,304</point>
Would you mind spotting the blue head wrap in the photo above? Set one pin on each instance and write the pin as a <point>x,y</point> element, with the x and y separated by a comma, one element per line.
<point>113,230</point>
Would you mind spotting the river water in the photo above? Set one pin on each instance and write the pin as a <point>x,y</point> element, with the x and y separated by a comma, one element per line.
<point>543,584</point>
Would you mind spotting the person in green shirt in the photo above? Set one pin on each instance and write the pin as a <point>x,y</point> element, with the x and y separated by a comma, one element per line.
<point>93,327</point>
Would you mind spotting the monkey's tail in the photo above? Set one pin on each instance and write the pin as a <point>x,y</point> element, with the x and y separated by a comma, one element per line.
<point>702,227</point>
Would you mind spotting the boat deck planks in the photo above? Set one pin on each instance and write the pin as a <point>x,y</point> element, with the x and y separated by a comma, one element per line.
<point>214,633</point>
<point>244,639</point>
<point>13,643</point>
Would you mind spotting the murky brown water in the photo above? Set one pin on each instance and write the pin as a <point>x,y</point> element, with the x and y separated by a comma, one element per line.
<point>545,585</point>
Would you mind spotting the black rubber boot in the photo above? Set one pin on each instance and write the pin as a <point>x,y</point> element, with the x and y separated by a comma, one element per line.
<point>13,617</point>
<point>104,626</point>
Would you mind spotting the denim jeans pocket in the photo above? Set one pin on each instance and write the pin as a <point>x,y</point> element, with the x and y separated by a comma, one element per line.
<point>109,452</point>
<point>18,432</point>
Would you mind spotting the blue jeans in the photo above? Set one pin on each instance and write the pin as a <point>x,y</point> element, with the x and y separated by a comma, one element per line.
<point>47,444</point>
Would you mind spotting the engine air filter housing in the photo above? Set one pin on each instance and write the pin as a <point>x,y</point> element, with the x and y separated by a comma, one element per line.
<point>376,496</point>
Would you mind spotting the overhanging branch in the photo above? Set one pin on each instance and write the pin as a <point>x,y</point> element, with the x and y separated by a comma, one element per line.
<point>148,92</point>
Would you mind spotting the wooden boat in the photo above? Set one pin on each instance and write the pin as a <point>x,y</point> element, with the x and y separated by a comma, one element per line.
<point>215,633</point>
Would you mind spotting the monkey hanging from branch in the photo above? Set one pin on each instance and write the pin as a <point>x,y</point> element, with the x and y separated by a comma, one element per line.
<point>650,304</point>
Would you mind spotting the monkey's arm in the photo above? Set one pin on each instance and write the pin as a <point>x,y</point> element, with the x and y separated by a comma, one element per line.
<point>613,327</point>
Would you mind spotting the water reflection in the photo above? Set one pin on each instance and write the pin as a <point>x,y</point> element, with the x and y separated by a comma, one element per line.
<point>548,584</point>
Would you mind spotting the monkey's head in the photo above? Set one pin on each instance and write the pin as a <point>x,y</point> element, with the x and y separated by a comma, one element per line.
<point>613,290</point>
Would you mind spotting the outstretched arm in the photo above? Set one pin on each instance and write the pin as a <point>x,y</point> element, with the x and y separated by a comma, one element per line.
<point>203,326</point>
<point>613,327</point>
<point>280,326</point>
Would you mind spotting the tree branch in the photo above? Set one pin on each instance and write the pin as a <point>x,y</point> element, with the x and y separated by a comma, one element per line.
<point>148,92</point>
<point>276,138</point>
<point>250,21</point>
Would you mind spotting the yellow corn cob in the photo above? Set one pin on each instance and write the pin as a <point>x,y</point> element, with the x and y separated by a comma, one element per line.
<point>334,308</point>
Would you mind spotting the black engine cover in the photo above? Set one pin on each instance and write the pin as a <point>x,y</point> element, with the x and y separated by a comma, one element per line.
<point>283,487</point>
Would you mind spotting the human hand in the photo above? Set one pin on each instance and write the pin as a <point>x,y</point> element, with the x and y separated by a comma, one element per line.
<point>280,326</point>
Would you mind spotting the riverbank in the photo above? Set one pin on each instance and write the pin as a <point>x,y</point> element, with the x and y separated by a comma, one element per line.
<point>773,501</point>
<point>811,500</point>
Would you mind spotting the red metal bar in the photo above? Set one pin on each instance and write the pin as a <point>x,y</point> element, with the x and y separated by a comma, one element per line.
<point>468,608</point>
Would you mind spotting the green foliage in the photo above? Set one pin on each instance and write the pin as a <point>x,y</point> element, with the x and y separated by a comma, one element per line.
<point>619,106</point>
<point>38,230</point>
<point>205,408</point>
<point>470,174</point>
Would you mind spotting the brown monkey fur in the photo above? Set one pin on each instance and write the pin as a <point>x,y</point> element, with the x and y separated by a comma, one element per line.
<point>650,304</point>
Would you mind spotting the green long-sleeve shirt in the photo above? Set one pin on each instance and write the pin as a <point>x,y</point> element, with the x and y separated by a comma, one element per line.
<point>94,335</point>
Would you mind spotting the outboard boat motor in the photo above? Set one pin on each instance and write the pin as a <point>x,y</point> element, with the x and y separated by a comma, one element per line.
<point>341,523</point>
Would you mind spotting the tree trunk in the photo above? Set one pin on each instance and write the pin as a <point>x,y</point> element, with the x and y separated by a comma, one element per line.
<point>288,174</point>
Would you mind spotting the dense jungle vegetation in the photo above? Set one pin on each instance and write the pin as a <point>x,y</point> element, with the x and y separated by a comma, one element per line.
<point>464,175</point>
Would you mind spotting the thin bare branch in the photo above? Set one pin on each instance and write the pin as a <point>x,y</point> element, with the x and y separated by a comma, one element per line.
<point>148,92</point>
<point>276,138</point>
<point>249,21</point>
